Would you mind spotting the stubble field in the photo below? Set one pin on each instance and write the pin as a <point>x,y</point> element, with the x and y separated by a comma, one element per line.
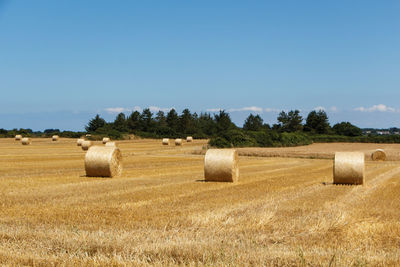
<point>283,211</point>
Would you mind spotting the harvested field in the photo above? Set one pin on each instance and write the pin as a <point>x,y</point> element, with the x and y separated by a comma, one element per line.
<point>322,150</point>
<point>282,211</point>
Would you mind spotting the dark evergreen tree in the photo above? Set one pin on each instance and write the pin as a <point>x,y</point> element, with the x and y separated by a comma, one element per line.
<point>146,120</point>
<point>317,122</point>
<point>207,124</point>
<point>186,122</point>
<point>223,121</point>
<point>253,123</point>
<point>95,123</point>
<point>120,123</point>
<point>133,121</point>
<point>291,121</point>
<point>173,120</point>
<point>161,120</point>
<point>347,129</point>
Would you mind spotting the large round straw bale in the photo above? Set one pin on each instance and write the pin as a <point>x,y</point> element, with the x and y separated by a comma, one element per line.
<point>86,145</point>
<point>348,168</point>
<point>178,142</point>
<point>79,141</point>
<point>105,140</point>
<point>165,141</point>
<point>102,161</point>
<point>378,155</point>
<point>55,137</point>
<point>111,144</point>
<point>26,141</point>
<point>18,137</point>
<point>221,165</point>
<point>189,139</point>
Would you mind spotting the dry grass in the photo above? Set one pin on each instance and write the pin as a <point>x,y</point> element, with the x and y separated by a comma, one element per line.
<point>322,150</point>
<point>282,212</point>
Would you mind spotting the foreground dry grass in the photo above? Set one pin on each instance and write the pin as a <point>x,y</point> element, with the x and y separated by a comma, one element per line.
<point>284,211</point>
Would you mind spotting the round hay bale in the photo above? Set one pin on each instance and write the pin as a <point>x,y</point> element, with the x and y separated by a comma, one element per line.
<point>79,141</point>
<point>86,145</point>
<point>348,168</point>
<point>55,138</point>
<point>189,139</point>
<point>165,141</point>
<point>26,141</point>
<point>378,155</point>
<point>18,137</point>
<point>221,165</point>
<point>111,144</point>
<point>178,142</point>
<point>105,140</point>
<point>102,161</point>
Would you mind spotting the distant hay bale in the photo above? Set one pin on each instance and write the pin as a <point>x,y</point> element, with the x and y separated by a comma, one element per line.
<point>378,155</point>
<point>189,139</point>
<point>165,141</point>
<point>79,141</point>
<point>18,137</point>
<point>221,165</point>
<point>178,142</point>
<point>111,144</point>
<point>105,140</point>
<point>348,168</point>
<point>103,161</point>
<point>26,141</point>
<point>55,138</point>
<point>86,145</point>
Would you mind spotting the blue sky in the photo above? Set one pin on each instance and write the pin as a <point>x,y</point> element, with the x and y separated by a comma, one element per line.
<point>61,62</point>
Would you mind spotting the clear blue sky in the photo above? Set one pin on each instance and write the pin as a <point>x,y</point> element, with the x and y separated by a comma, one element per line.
<point>61,62</point>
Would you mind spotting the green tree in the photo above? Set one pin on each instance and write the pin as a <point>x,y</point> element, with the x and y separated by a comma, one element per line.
<point>186,122</point>
<point>317,122</point>
<point>347,129</point>
<point>253,123</point>
<point>291,121</point>
<point>120,124</point>
<point>161,120</point>
<point>223,122</point>
<point>133,121</point>
<point>95,123</point>
<point>207,125</point>
<point>146,120</point>
<point>173,120</point>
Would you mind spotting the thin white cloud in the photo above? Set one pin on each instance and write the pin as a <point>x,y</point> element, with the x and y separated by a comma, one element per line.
<point>334,109</point>
<point>252,109</point>
<point>214,109</point>
<point>377,108</point>
<point>156,109</point>
<point>319,108</point>
<point>137,108</point>
<point>116,110</point>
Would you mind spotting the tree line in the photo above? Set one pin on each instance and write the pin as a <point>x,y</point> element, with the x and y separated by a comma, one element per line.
<point>290,129</point>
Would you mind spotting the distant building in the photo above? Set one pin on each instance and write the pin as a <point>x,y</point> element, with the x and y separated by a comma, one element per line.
<point>383,132</point>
